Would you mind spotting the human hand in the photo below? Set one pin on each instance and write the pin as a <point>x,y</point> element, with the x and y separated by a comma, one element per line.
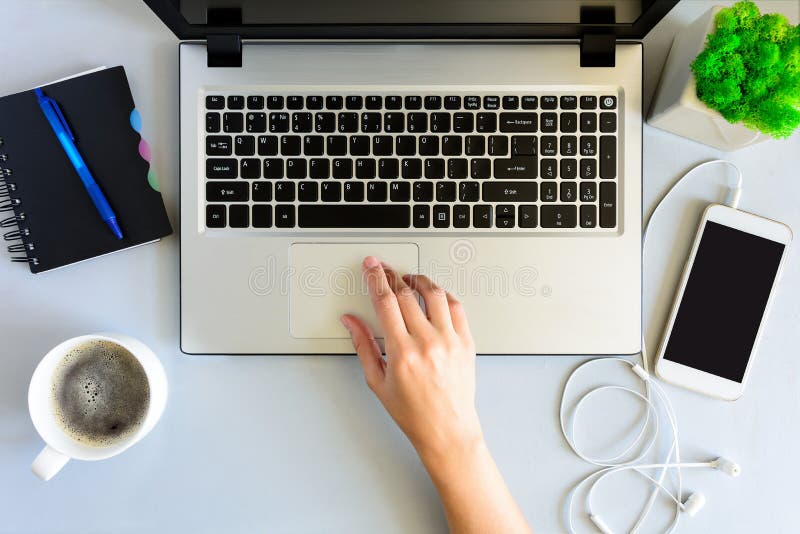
<point>427,381</point>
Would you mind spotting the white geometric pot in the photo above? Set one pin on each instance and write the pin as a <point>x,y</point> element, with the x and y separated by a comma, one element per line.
<point>676,107</point>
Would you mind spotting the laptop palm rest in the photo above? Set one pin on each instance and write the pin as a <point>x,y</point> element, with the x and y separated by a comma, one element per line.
<point>326,281</point>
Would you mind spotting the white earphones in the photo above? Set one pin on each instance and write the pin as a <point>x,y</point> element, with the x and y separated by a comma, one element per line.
<point>631,459</point>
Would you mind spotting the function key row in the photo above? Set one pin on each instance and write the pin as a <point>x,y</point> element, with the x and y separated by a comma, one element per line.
<point>409,102</point>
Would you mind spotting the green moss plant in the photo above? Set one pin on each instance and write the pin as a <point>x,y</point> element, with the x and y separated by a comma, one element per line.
<point>750,70</point>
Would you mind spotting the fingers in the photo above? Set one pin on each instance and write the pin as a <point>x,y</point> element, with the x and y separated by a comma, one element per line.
<point>435,299</point>
<point>369,353</point>
<point>384,301</point>
<point>459,317</point>
<point>415,318</point>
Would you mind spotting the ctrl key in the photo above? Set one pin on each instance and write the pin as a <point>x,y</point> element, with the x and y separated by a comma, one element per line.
<point>215,216</point>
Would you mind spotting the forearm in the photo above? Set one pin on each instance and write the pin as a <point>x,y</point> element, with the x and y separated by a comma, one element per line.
<point>473,493</point>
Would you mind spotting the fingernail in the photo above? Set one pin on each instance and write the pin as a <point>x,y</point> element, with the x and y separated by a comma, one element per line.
<point>371,262</point>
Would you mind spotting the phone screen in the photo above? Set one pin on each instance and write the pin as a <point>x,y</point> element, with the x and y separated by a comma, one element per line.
<point>724,300</point>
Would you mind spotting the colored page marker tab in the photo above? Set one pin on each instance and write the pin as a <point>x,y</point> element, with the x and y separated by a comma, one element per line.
<point>144,149</point>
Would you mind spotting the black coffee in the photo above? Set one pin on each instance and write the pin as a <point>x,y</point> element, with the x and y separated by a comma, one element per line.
<point>100,393</point>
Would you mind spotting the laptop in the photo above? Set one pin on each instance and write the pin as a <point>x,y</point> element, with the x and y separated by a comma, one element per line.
<point>495,146</point>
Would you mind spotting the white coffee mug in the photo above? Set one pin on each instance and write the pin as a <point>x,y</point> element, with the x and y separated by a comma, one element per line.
<point>59,447</point>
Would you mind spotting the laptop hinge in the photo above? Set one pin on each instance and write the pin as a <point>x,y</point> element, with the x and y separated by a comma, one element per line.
<point>224,49</point>
<point>598,46</point>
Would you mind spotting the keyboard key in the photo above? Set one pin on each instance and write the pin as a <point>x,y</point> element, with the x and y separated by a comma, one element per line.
<point>555,216</point>
<point>588,122</point>
<point>460,216</point>
<point>332,191</point>
<point>569,102</point>
<point>301,122</point>
<point>475,145</point>
<point>250,168</point>
<point>588,169</point>
<point>227,192</point>
<point>472,102</point>
<point>313,145</point>
<point>451,145</point>
<point>569,122</point>
<point>232,122</point>
<point>422,216</point>
<point>314,102</point>
<point>413,102</point>
<point>423,191</point>
<point>245,145</point>
<point>523,145</point>
<point>218,145</point>
<point>373,102</point>
<point>434,168</point>
<point>336,145</point>
<point>445,191</point>
<point>498,145</point>
<point>262,191</point>
<point>342,169</point>
<point>510,191</point>
<point>370,122</point>
<point>526,215</point>
<point>428,145</point>
<point>569,169</point>
<point>549,192</point>
<point>608,157</point>
<point>510,102</point>
<point>588,145</point>
<point>212,122</point>
<point>354,216</point>
<point>549,102</point>
<point>569,191</point>
<point>255,102</point>
<point>417,122</point>
<point>400,192</point>
<point>515,168</point>
<point>359,145</point>
<point>382,145</point>
<point>365,169</point>
<point>569,145</point>
<point>441,216</point>
<point>440,122</point>
<point>549,124</point>
<point>549,145</point>
<point>274,102</point>
<point>504,216</point>
<point>348,122</point>
<point>235,102</point>
<point>480,168</point>
<point>588,216</point>
<point>588,191</point>
<point>588,102</point>
<point>388,168</point>
<point>452,102</point>
<point>394,102</point>
<point>457,168</point>
<point>433,102</point>
<point>307,191</point>
<point>377,191</point>
<point>278,122</point>
<point>273,168</point>
<point>487,123</point>
<point>284,191</point>
<point>608,205</point>
<point>463,122</point>
<point>262,216</point>
<point>334,102</point>
<point>608,122</point>
<point>294,102</point>
<point>324,122</point>
<point>296,168</point>
<point>394,122</point>
<point>491,102</point>
<point>256,122</point>
<point>468,191</point>
<point>482,216</point>
<point>411,168</point>
<point>267,145</point>
<point>530,102</point>
<point>222,168</point>
<point>215,102</point>
<point>319,169</point>
<point>548,168</point>
<point>518,122</point>
<point>238,215</point>
<point>354,102</point>
<point>290,145</point>
<point>608,102</point>
<point>353,192</point>
<point>216,216</point>
<point>284,216</point>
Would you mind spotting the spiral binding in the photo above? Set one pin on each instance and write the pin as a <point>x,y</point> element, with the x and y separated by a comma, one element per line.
<point>10,203</point>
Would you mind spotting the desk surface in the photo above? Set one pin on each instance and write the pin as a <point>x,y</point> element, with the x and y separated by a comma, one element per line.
<point>299,444</point>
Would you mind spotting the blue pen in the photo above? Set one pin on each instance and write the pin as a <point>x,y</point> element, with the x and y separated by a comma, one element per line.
<point>56,119</point>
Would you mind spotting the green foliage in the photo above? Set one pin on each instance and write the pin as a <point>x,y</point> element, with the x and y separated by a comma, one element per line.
<point>750,70</point>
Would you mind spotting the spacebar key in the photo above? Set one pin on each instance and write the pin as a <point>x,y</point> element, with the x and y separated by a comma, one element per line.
<point>354,216</point>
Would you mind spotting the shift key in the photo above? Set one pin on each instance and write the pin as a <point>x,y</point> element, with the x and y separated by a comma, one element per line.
<point>222,168</point>
<point>509,191</point>
<point>515,168</point>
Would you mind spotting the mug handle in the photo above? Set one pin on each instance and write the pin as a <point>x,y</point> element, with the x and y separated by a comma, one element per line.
<point>48,463</point>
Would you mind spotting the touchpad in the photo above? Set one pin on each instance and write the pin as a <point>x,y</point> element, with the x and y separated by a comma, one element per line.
<point>326,282</point>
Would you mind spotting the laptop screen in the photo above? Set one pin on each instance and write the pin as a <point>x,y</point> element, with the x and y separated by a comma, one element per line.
<point>260,12</point>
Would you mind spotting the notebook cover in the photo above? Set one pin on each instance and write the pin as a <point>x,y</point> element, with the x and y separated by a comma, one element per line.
<point>64,226</point>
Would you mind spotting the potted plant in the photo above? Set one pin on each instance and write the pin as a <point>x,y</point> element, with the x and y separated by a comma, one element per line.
<point>732,79</point>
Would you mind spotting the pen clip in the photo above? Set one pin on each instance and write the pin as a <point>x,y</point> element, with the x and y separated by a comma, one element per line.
<point>46,100</point>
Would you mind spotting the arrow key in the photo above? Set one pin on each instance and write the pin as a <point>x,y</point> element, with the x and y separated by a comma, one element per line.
<point>527,215</point>
<point>482,216</point>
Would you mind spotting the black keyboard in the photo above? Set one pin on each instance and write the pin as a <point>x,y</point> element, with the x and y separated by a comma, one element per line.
<point>513,162</point>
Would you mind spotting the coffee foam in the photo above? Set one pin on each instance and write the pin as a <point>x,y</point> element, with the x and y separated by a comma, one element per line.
<point>100,393</point>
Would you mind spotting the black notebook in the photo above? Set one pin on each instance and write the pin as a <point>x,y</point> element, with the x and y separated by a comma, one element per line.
<point>46,214</point>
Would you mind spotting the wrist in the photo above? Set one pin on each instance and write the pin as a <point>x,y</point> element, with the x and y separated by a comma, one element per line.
<point>440,458</point>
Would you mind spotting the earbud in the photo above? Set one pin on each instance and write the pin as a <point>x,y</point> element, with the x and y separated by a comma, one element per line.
<point>694,504</point>
<point>600,524</point>
<point>727,466</point>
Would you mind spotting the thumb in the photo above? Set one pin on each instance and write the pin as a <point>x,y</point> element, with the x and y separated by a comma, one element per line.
<point>369,353</point>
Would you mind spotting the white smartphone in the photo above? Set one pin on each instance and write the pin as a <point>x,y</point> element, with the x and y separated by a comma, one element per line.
<point>723,297</point>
